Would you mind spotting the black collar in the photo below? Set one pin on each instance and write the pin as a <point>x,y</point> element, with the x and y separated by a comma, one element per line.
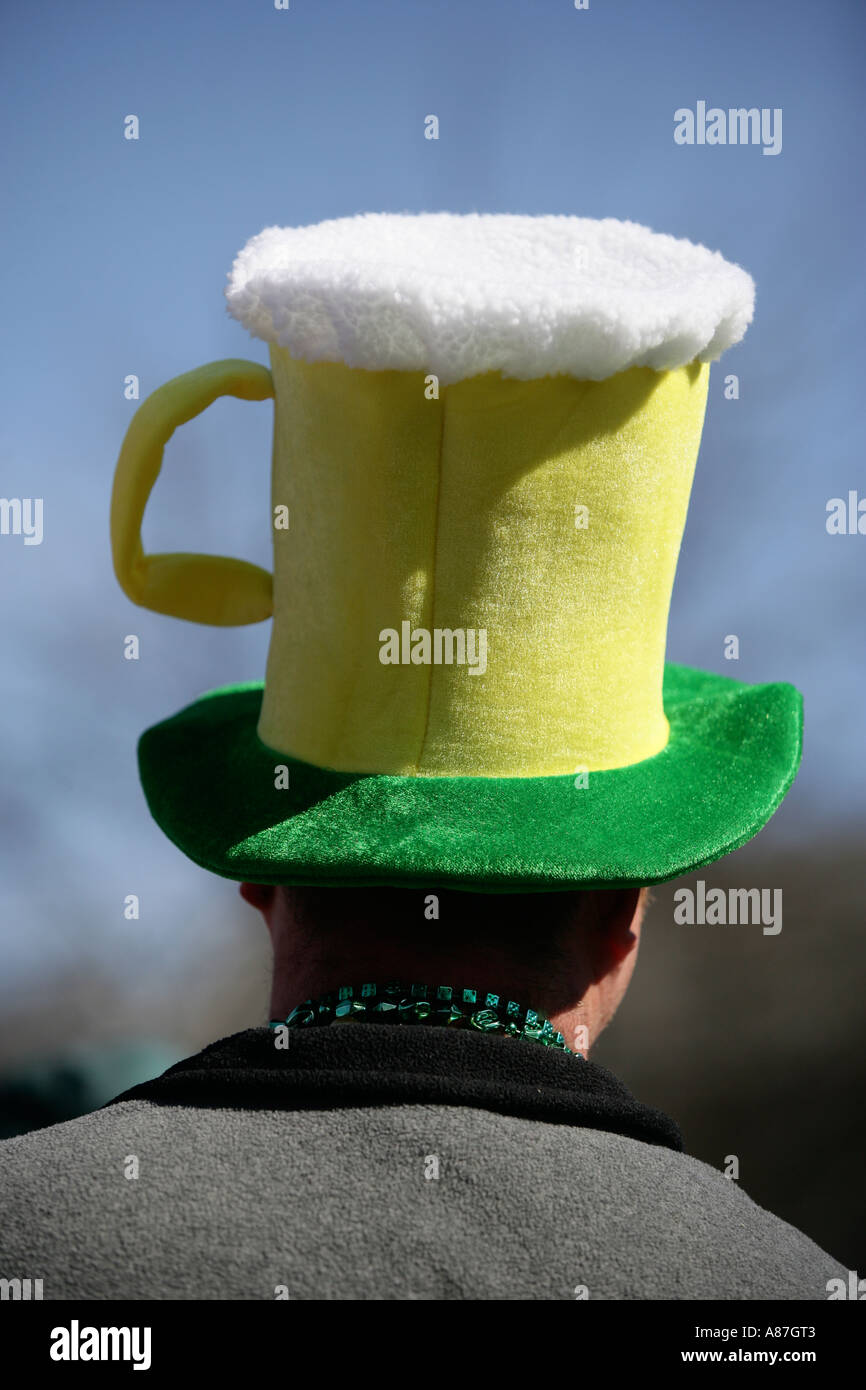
<point>380,1064</point>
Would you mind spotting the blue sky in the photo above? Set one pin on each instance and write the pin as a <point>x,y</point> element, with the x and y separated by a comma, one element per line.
<point>116,254</point>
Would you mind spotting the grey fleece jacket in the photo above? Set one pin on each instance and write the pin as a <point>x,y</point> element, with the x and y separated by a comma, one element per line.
<point>375,1162</point>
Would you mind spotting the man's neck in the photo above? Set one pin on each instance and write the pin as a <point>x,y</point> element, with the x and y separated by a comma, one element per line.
<point>575,1017</point>
<point>568,958</point>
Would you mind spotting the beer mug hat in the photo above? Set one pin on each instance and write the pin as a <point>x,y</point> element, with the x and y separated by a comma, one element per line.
<point>485,434</point>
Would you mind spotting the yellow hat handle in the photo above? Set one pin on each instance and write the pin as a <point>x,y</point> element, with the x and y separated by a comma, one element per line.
<point>201,588</point>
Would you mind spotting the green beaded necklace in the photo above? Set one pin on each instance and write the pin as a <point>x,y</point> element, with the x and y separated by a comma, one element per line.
<point>441,1005</point>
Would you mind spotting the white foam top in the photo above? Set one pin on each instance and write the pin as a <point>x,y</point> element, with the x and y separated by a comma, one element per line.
<point>460,295</point>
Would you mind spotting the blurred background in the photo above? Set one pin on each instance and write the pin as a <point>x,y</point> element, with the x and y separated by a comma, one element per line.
<point>115,258</point>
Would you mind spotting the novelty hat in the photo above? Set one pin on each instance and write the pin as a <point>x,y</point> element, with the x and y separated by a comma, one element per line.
<point>485,433</point>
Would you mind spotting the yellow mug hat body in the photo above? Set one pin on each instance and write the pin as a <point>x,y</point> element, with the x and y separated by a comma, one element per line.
<point>485,434</point>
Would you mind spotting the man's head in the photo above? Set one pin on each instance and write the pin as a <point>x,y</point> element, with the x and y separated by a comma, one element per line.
<point>570,955</point>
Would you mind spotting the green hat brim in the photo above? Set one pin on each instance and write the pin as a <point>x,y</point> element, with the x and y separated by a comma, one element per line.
<point>733,752</point>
